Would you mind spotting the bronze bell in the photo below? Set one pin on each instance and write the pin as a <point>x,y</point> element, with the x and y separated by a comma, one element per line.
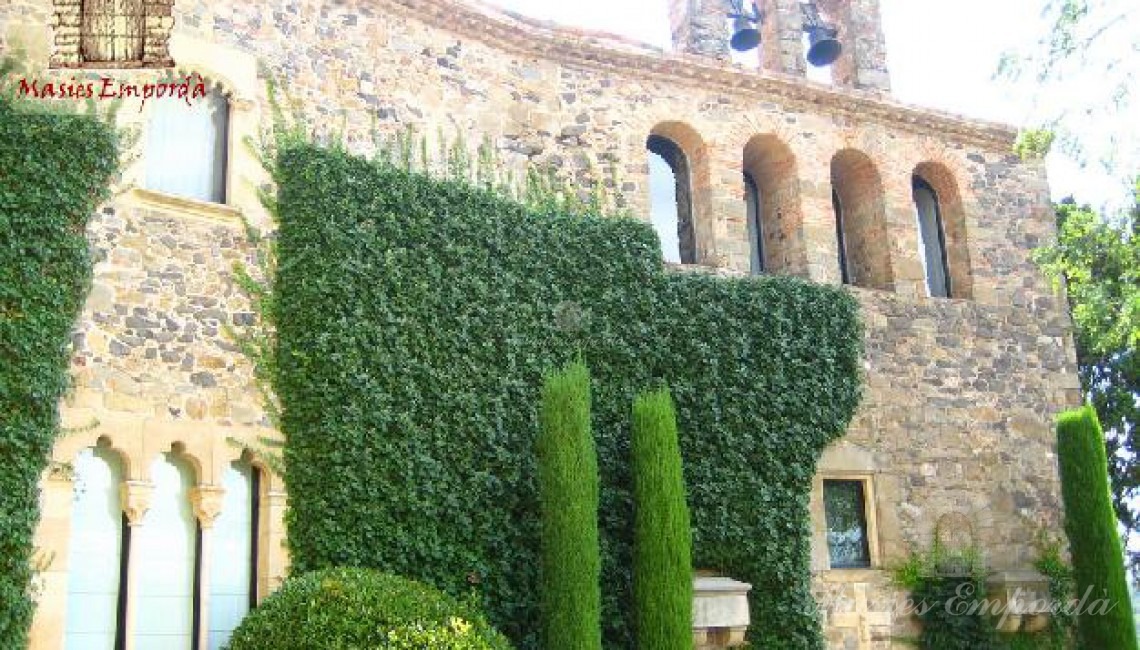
<point>824,48</point>
<point>745,36</point>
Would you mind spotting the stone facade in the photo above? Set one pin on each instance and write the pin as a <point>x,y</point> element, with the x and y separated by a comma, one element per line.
<point>960,393</point>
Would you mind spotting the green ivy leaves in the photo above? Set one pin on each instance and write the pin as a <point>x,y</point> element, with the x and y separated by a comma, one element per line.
<point>54,171</point>
<point>416,320</point>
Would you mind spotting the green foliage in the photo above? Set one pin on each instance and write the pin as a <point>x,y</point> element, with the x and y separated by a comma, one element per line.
<point>663,544</point>
<point>1098,261</point>
<point>1033,144</point>
<point>54,171</point>
<point>341,608</point>
<point>1086,44</point>
<point>948,593</point>
<point>422,317</point>
<point>568,492</point>
<point>1098,559</point>
<point>1062,621</point>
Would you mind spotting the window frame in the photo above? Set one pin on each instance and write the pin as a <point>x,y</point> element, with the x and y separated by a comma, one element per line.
<point>920,183</point>
<point>675,156</point>
<point>227,154</point>
<point>822,557</point>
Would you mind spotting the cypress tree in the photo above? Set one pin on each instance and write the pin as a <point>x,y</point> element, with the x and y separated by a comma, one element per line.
<point>1098,557</point>
<point>663,563</point>
<point>568,489</point>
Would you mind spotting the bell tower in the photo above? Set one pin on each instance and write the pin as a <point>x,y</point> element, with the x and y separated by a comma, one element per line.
<point>702,27</point>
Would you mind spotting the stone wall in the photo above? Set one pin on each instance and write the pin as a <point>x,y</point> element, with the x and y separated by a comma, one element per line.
<point>960,393</point>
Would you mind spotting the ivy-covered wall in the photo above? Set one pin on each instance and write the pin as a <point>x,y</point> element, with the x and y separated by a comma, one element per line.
<point>416,318</point>
<point>54,171</point>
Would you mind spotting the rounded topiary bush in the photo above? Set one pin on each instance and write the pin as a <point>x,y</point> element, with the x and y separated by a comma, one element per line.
<point>345,609</point>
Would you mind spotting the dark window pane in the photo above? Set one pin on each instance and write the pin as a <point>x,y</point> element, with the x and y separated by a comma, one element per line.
<point>846,511</point>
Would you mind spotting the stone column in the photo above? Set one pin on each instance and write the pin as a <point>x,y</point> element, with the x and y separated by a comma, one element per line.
<point>135,497</point>
<point>782,33</point>
<point>273,559</point>
<point>821,242</point>
<point>863,62</point>
<point>700,27</point>
<point>206,501</point>
<point>731,244</point>
<point>902,229</point>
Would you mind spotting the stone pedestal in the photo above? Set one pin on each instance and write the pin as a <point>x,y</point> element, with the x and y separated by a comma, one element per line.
<point>1021,598</point>
<point>720,612</point>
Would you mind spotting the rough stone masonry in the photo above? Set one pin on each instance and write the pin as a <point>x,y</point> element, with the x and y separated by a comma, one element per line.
<point>954,435</point>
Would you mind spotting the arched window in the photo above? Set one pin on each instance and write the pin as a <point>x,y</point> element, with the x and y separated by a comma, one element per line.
<point>165,552</point>
<point>775,217</point>
<point>671,196</point>
<point>232,571</point>
<point>187,146</point>
<point>861,222</point>
<point>932,240</point>
<point>754,214</point>
<point>941,225</point>
<point>95,586</point>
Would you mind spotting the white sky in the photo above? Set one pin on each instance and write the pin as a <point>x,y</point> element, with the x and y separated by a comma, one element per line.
<point>941,55</point>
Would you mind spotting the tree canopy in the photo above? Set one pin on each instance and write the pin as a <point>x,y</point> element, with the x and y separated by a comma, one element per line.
<point>1098,260</point>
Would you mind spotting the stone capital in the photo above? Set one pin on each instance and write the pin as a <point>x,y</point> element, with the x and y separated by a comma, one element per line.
<point>135,496</point>
<point>206,500</point>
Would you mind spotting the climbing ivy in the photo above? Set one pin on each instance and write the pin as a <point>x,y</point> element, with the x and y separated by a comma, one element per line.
<point>416,318</point>
<point>54,171</point>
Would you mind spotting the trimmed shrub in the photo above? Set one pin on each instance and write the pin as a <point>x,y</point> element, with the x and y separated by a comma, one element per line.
<point>1098,557</point>
<point>54,171</point>
<point>343,608</point>
<point>422,315</point>
<point>663,538</point>
<point>568,491</point>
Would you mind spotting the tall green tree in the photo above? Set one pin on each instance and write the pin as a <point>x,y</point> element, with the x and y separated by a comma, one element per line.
<point>568,489</point>
<point>1098,261</point>
<point>663,534</point>
<point>1105,620</point>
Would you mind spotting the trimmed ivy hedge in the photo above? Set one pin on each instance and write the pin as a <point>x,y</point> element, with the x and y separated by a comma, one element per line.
<point>54,171</point>
<point>417,319</point>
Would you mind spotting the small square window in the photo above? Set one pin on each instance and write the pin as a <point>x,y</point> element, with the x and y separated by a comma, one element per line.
<point>845,508</point>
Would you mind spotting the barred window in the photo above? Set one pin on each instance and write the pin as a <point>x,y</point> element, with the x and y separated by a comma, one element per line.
<point>112,30</point>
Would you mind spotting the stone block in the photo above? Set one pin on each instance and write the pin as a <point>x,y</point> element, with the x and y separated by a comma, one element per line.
<point>720,612</point>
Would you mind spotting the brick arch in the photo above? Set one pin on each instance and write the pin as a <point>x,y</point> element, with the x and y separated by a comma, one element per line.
<point>952,209</point>
<point>685,151</point>
<point>858,189</point>
<point>771,164</point>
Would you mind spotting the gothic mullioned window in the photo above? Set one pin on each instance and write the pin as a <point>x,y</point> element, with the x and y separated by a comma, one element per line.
<point>188,587</point>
